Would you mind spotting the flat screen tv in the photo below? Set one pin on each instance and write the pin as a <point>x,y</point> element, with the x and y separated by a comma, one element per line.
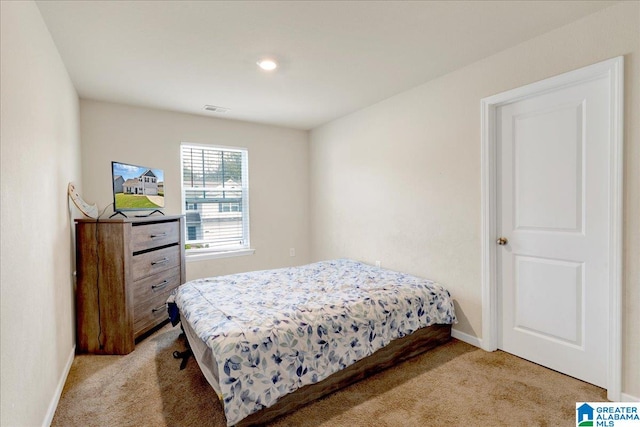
<point>137,188</point>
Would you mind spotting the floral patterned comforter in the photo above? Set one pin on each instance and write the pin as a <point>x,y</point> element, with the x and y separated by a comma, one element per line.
<point>274,331</point>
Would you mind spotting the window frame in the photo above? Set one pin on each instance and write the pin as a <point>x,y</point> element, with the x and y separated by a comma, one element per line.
<point>198,254</point>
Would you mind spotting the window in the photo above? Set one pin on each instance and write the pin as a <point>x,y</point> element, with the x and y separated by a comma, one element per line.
<point>191,232</point>
<point>230,207</point>
<point>215,194</point>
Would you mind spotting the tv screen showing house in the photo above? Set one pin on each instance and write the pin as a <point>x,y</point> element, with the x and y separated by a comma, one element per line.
<point>137,188</point>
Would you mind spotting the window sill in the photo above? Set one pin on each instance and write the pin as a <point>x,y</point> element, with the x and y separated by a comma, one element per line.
<point>203,256</point>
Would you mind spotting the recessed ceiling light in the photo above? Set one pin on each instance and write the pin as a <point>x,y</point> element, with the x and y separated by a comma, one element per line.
<point>267,64</point>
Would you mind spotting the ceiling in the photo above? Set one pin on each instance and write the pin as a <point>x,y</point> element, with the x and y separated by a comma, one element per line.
<point>335,57</point>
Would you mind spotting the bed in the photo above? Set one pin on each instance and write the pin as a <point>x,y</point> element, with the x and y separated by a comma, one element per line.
<point>271,341</point>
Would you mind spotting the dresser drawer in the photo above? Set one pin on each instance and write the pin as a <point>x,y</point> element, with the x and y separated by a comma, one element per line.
<point>150,263</point>
<point>150,313</point>
<point>147,288</point>
<point>150,236</point>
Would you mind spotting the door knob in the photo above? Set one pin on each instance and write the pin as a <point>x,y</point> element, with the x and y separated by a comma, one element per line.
<point>502,241</point>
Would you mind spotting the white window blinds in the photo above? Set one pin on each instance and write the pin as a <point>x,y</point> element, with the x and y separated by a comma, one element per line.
<point>215,194</point>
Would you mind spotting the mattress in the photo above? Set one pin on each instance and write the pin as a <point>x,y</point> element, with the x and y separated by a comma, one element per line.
<point>261,335</point>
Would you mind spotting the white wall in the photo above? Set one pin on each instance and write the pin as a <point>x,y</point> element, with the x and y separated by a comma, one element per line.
<point>399,181</point>
<point>40,154</point>
<point>278,173</point>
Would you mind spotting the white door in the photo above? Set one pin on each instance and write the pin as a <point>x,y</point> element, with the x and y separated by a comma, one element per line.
<point>552,182</point>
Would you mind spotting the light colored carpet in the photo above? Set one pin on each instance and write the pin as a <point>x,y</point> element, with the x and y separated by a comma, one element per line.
<point>453,385</point>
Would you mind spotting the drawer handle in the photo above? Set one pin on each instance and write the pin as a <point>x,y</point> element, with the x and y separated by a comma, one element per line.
<point>162,261</point>
<point>159,308</point>
<point>153,236</point>
<point>160,285</point>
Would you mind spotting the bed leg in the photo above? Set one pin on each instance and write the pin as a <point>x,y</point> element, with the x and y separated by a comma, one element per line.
<point>184,355</point>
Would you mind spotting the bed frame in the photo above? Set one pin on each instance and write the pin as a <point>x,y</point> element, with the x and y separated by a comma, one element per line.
<point>397,351</point>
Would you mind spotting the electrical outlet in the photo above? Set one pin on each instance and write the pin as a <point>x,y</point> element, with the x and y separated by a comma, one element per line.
<point>292,251</point>
<point>378,264</point>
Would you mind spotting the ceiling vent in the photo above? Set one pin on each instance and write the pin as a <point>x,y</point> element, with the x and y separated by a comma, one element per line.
<point>215,109</point>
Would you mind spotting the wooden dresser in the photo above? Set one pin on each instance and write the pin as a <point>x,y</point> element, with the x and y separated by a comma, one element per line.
<point>126,269</point>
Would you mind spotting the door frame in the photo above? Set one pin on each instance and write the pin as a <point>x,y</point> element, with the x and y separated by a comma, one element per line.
<point>613,70</point>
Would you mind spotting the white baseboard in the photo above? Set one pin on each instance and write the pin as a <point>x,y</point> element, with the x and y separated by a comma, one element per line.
<point>469,339</point>
<point>624,397</point>
<point>56,396</point>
